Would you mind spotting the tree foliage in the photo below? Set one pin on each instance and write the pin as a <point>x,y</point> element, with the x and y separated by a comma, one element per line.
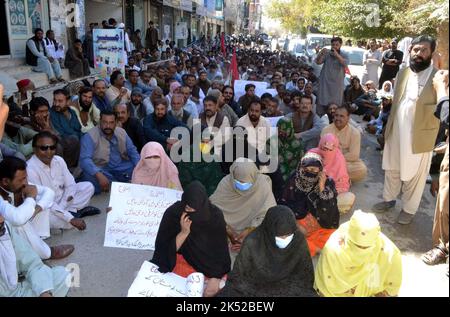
<point>422,18</point>
<point>361,18</point>
<point>294,15</point>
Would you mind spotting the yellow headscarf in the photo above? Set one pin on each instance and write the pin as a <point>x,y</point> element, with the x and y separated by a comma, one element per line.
<point>358,260</point>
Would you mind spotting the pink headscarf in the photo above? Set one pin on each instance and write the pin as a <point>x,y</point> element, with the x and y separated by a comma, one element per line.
<point>334,163</point>
<point>174,86</point>
<point>165,176</point>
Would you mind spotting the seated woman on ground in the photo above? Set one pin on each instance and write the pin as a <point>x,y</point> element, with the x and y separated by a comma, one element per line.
<point>244,196</point>
<point>334,166</point>
<point>274,260</point>
<point>156,169</point>
<point>359,261</point>
<point>192,238</point>
<point>312,196</point>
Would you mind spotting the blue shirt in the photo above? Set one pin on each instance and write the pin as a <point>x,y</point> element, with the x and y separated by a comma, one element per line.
<point>115,160</point>
<point>102,103</point>
<point>159,131</point>
<point>146,90</point>
<point>66,127</point>
<point>191,107</point>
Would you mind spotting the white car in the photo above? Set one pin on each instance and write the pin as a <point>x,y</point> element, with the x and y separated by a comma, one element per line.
<point>299,49</point>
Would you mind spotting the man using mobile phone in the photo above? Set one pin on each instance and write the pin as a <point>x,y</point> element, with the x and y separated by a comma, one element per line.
<point>331,80</point>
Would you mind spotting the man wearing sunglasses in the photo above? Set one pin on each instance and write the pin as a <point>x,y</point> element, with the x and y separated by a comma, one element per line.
<point>47,169</point>
<point>18,256</point>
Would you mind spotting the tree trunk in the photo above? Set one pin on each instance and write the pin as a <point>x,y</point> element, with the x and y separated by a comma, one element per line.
<point>442,48</point>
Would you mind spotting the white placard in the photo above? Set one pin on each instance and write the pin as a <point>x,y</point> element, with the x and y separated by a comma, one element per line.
<point>273,92</point>
<point>151,283</point>
<point>136,213</point>
<point>239,88</point>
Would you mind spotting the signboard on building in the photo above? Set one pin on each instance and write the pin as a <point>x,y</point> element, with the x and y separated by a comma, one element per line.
<point>181,31</point>
<point>186,5</point>
<point>219,9</point>
<point>109,51</point>
<point>17,17</point>
<point>172,3</point>
<point>201,10</point>
<point>34,14</point>
<point>211,8</point>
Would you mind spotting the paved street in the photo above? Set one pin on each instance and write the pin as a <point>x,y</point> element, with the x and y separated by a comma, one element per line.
<point>110,272</point>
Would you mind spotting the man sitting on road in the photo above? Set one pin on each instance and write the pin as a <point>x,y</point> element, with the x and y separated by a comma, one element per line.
<point>26,207</point>
<point>107,154</point>
<point>87,113</point>
<point>20,260</point>
<point>49,170</point>
<point>158,125</point>
<point>350,143</point>
<point>132,126</point>
<point>307,125</point>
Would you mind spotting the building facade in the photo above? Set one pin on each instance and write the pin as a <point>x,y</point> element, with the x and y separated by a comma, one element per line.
<point>183,21</point>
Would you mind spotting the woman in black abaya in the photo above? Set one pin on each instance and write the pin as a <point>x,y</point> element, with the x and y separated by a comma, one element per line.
<point>274,260</point>
<point>192,238</point>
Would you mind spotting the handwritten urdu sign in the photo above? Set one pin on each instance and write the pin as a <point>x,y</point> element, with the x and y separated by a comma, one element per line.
<point>136,214</point>
<point>151,283</point>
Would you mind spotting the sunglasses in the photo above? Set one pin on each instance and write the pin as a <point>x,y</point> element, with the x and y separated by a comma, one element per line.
<point>45,148</point>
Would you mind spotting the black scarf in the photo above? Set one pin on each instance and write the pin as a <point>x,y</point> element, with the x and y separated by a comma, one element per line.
<point>303,196</point>
<point>264,270</point>
<point>206,247</point>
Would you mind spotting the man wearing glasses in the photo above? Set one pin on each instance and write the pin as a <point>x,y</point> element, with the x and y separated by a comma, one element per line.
<point>22,273</point>
<point>71,199</point>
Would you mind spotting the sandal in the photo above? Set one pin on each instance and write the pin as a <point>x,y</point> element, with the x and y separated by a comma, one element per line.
<point>434,257</point>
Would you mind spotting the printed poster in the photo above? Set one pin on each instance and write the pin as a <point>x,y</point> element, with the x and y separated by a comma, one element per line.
<point>17,17</point>
<point>35,14</point>
<point>109,52</point>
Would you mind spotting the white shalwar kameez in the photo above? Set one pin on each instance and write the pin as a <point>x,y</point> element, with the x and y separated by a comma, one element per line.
<point>34,230</point>
<point>61,181</point>
<point>401,165</point>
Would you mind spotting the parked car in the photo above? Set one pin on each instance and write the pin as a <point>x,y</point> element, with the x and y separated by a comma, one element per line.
<point>264,39</point>
<point>299,49</point>
<point>313,40</point>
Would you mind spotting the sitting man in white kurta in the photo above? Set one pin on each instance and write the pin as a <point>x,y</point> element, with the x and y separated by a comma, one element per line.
<point>257,127</point>
<point>22,273</point>
<point>71,199</point>
<point>26,207</point>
